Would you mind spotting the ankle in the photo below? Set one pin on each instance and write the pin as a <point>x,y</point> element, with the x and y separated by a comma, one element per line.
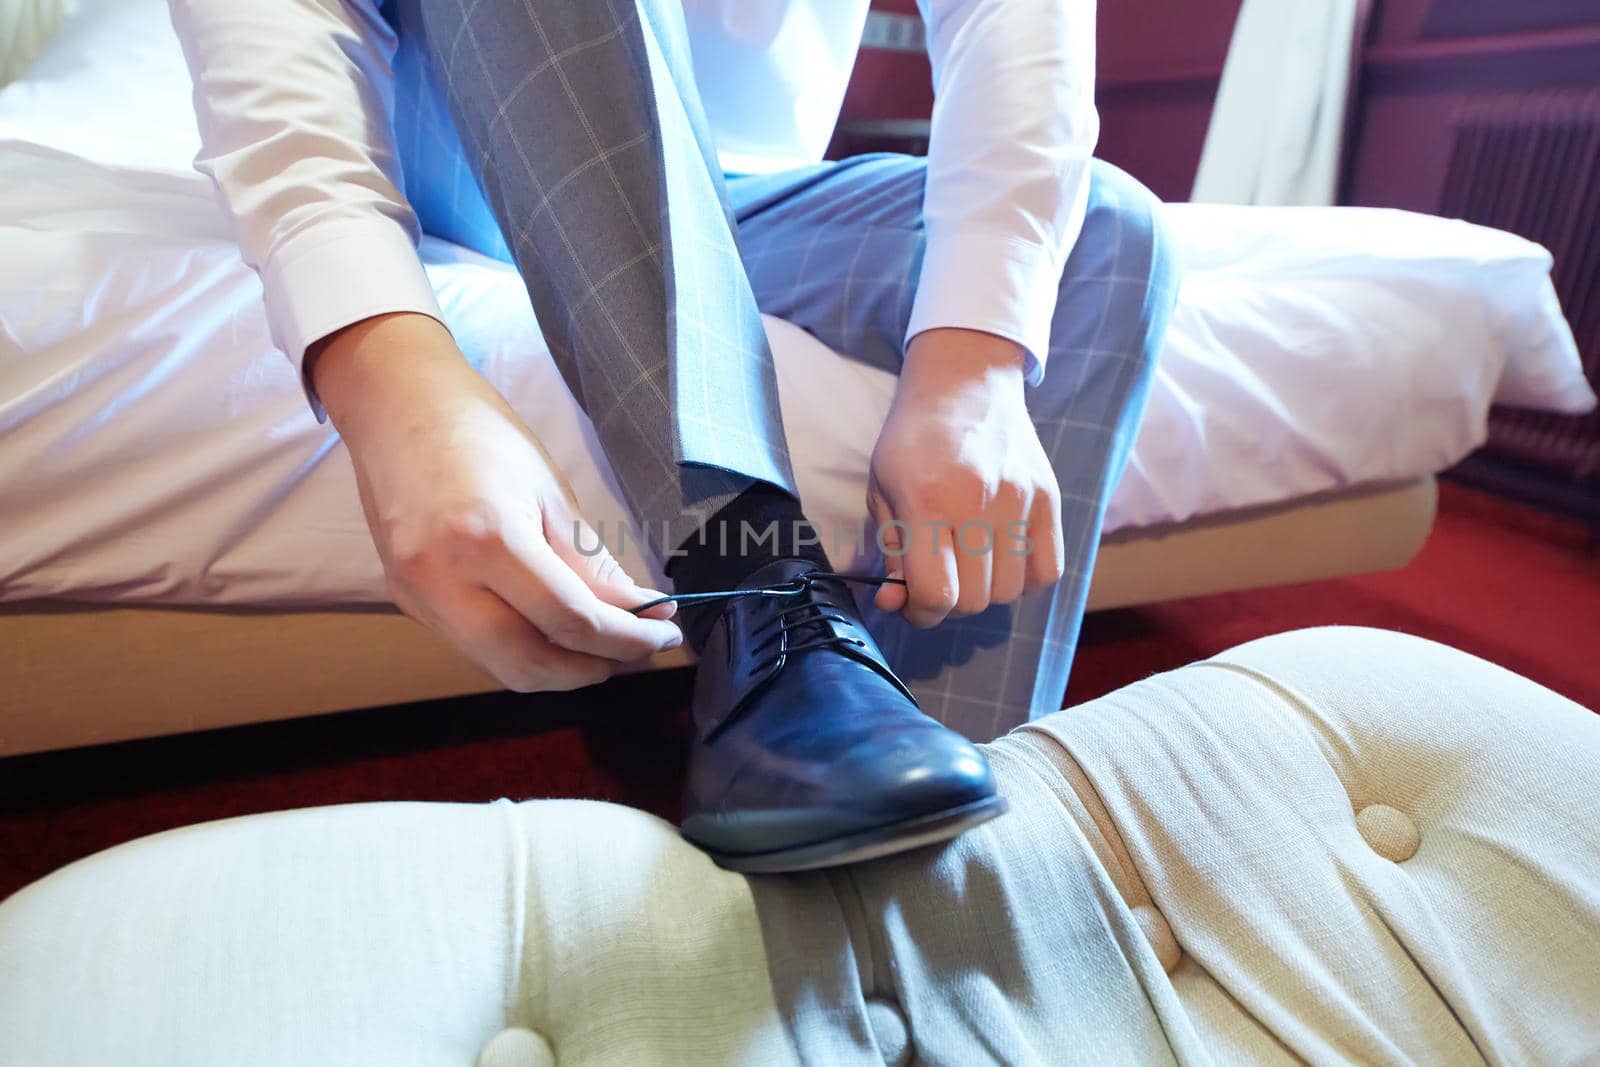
<point>760,526</point>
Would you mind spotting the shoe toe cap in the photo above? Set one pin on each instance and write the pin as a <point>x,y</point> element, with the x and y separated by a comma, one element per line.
<point>905,774</point>
<point>887,777</point>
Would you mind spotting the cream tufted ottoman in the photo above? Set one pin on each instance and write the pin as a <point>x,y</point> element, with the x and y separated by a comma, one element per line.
<point>1339,845</point>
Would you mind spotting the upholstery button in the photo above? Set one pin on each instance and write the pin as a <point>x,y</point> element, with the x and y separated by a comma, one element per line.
<point>890,1031</point>
<point>1388,832</point>
<point>1159,933</point>
<point>517,1047</point>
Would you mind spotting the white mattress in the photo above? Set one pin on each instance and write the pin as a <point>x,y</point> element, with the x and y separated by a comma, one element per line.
<point>155,448</point>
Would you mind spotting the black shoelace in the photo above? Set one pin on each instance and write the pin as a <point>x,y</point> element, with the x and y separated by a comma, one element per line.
<point>802,626</point>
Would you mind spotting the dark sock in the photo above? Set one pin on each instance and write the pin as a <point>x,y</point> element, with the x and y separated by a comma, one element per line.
<point>760,525</point>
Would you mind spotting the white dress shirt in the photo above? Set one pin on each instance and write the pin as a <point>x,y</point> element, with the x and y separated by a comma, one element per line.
<point>294,100</point>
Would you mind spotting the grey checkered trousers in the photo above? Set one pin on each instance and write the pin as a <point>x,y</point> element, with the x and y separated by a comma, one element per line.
<point>648,268</point>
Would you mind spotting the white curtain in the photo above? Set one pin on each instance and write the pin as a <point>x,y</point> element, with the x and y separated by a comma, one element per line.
<point>1278,123</point>
<point>25,26</point>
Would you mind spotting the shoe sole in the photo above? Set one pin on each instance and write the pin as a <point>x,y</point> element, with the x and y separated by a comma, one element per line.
<point>867,844</point>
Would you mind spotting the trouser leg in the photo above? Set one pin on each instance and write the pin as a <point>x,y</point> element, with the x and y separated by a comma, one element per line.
<point>836,249</point>
<point>586,133</point>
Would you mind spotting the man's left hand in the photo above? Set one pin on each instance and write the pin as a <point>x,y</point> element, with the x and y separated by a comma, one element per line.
<point>965,499</point>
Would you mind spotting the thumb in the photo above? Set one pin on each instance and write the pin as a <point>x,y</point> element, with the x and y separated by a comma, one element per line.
<point>891,539</point>
<point>581,547</point>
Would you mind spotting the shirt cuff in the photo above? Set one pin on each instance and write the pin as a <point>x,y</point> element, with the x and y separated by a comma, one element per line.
<point>338,273</point>
<point>996,283</point>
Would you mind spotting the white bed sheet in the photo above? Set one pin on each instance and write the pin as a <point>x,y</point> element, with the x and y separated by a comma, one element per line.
<point>155,448</point>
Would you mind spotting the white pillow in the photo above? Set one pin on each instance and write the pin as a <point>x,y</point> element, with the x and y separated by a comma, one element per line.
<point>1445,269</point>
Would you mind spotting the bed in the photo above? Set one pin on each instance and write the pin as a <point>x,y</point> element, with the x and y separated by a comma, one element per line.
<point>181,544</point>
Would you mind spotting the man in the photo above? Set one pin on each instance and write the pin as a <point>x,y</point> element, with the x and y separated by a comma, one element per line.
<point>654,200</point>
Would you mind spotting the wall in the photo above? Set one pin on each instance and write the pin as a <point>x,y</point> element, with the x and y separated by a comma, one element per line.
<point>1160,62</point>
<point>1427,58</point>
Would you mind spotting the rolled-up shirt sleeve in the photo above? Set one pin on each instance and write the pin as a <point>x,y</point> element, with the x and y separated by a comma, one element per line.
<point>295,102</point>
<point>1013,132</point>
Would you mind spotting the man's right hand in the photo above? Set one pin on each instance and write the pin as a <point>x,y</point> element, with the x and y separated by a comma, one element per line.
<point>474,524</point>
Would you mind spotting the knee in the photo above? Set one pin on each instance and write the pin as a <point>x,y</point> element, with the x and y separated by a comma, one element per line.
<point>1123,223</point>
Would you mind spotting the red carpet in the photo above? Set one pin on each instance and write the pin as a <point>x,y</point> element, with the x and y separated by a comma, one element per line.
<point>1497,580</point>
<point>1515,586</point>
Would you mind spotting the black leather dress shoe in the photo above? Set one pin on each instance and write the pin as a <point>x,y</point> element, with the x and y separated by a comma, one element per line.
<point>808,751</point>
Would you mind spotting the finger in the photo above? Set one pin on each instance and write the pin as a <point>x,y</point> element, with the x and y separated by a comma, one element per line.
<point>1046,557</point>
<point>1009,574</point>
<point>579,546</point>
<point>495,636</point>
<point>889,597</point>
<point>974,566</point>
<point>932,576</point>
<point>550,594</point>
<point>660,611</point>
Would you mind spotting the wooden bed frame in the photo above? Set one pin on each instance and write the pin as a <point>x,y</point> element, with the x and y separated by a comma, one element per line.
<point>76,674</point>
